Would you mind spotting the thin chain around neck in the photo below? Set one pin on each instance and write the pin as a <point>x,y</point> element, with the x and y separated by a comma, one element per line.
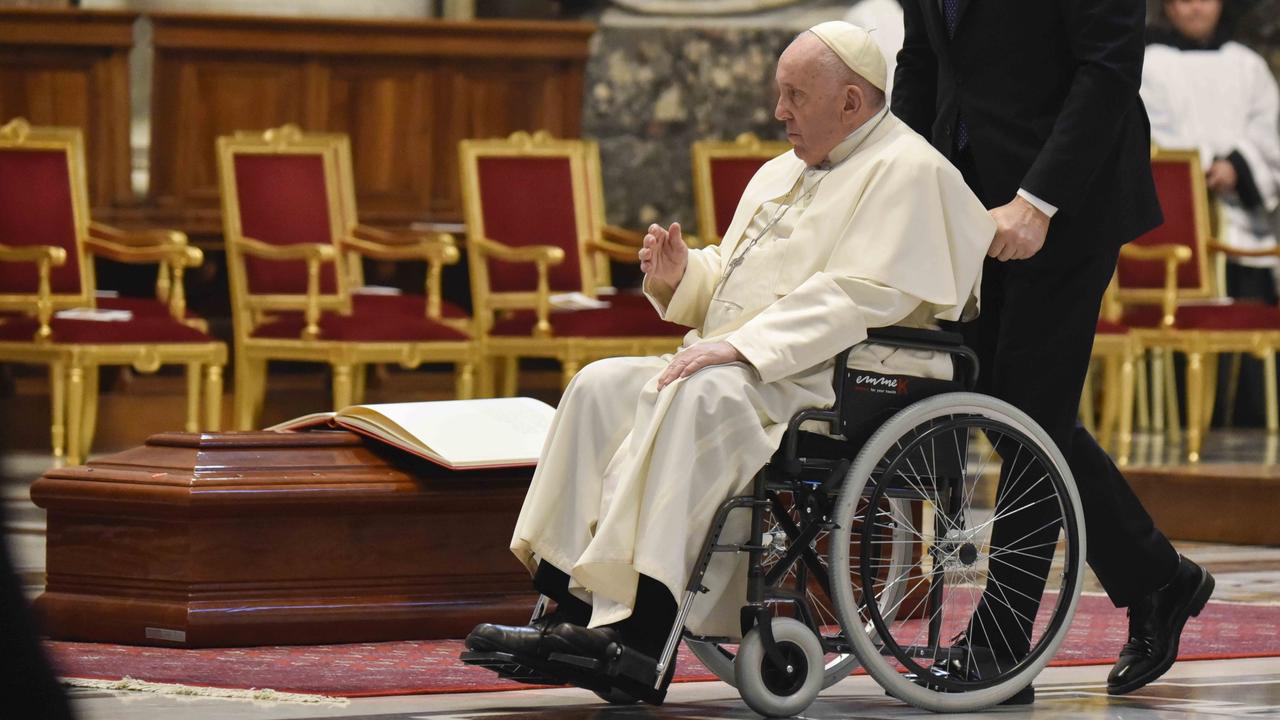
<point>782,211</point>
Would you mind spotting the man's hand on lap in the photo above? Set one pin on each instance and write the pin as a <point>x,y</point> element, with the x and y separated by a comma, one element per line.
<point>1020,230</point>
<point>695,357</point>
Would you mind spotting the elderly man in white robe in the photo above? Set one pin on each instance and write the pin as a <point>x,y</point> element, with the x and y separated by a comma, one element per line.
<point>862,225</point>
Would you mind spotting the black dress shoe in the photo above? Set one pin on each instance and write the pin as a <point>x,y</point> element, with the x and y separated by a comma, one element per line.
<point>977,662</point>
<point>520,640</point>
<point>1155,627</point>
<point>572,639</point>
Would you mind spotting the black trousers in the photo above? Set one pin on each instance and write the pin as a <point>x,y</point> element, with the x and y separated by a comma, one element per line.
<point>1033,339</point>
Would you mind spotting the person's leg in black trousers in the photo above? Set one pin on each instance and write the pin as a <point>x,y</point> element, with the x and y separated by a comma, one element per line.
<point>1043,320</point>
<point>1034,337</point>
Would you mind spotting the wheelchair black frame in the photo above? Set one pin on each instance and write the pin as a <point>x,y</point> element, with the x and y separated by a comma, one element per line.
<point>787,474</point>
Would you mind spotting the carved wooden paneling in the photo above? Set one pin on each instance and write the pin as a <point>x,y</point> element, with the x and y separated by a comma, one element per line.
<point>406,92</point>
<point>71,67</point>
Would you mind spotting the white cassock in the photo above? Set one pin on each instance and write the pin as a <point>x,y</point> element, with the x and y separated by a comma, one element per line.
<point>631,476</point>
<point>883,19</point>
<point>1221,102</point>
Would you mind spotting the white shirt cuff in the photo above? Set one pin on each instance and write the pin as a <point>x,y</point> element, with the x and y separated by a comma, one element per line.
<point>1039,204</point>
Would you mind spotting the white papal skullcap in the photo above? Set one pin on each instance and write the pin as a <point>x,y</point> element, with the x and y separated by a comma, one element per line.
<point>855,47</point>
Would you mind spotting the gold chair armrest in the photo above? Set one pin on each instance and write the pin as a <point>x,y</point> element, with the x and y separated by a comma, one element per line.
<point>45,257</point>
<point>543,257</point>
<point>168,248</point>
<point>549,254</point>
<point>404,247</point>
<point>297,251</point>
<point>1172,256</point>
<point>437,249</point>
<point>1216,246</point>
<point>313,254</point>
<point>621,253</point>
<point>622,236</point>
<point>143,254</point>
<point>1178,253</point>
<point>402,237</point>
<point>55,256</point>
<point>141,238</point>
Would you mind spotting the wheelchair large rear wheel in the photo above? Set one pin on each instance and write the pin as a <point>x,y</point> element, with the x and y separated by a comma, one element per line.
<point>993,513</point>
<point>838,660</point>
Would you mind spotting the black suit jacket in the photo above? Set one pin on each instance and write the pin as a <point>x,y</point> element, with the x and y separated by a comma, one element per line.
<point>1048,90</point>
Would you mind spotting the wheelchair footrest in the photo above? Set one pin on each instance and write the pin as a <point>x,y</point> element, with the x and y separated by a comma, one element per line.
<point>624,669</point>
<point>510,667</point>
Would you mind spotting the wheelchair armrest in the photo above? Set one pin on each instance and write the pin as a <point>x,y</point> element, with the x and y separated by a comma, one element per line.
<point>940,338</point>
<point>921,339</point>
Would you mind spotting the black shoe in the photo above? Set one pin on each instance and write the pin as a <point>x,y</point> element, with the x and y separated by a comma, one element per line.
<point>572,639</point>
<point>519,640</point>
<point>1155,627</point>
<point>976,662</point>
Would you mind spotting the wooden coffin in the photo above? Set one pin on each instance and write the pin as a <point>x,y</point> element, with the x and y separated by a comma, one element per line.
<point>260,538</point>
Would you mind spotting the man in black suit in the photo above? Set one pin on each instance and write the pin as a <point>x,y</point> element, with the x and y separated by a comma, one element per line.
<point>1036,102</point>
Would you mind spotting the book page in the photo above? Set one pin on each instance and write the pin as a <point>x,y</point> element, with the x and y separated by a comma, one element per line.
<point>305,422</point>
<point>462,433</point>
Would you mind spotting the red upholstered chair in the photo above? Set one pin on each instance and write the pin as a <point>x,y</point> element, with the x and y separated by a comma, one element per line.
<point>48,311</point>
<point>428,303</point>
<point>533,231</point>
<point>289,248</point>
<point>1167,290</point>
<point>721,171</point>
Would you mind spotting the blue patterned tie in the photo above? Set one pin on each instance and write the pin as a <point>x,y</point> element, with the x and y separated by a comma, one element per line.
<point>951,13</point>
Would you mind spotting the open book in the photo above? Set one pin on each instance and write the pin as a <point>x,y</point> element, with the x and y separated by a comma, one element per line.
<point>458,434</point>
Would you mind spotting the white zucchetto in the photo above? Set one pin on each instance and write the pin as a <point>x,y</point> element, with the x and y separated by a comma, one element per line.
<point>856,48</point>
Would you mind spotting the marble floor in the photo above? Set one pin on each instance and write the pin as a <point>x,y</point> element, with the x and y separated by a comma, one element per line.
<point>1205,689</point>
<point>1223,688</point>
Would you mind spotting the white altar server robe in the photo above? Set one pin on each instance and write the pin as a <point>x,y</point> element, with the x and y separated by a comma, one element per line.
<point>631,476</point>
<point>1216,102</point>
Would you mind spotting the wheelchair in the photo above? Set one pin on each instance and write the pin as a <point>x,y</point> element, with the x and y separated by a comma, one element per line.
<point>872,546</point>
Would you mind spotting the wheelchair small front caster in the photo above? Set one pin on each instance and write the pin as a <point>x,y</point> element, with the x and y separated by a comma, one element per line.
<point>780,692</point>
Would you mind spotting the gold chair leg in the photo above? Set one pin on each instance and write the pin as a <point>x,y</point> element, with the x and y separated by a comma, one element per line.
<point>1269,385</point>
<point>510,375</point>
<point>484,382</point>
<point>568,369</point>
<point>260,370</point>
<point>1142,388</point>
<point>58,408</point>
<point>89,410</point>
<point>1110,401</point>
<point>342,386</point>
<point>1195,404</point>
<point>1157,390</point>
<point>359,382</point>
<point>1210,390</point>
<point>1233,390</point>
<point>250,391</point>
<point>464,380</point>
<point>242,396</point>
<point>213,397</point>
<point>75,412</point>
<point>193,397</point>
<point>1126,400</point>
<point>1173,421</point>
<point>1086,403</point>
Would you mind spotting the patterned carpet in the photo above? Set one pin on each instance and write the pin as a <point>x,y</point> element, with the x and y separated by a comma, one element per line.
<point>1223,630</point>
